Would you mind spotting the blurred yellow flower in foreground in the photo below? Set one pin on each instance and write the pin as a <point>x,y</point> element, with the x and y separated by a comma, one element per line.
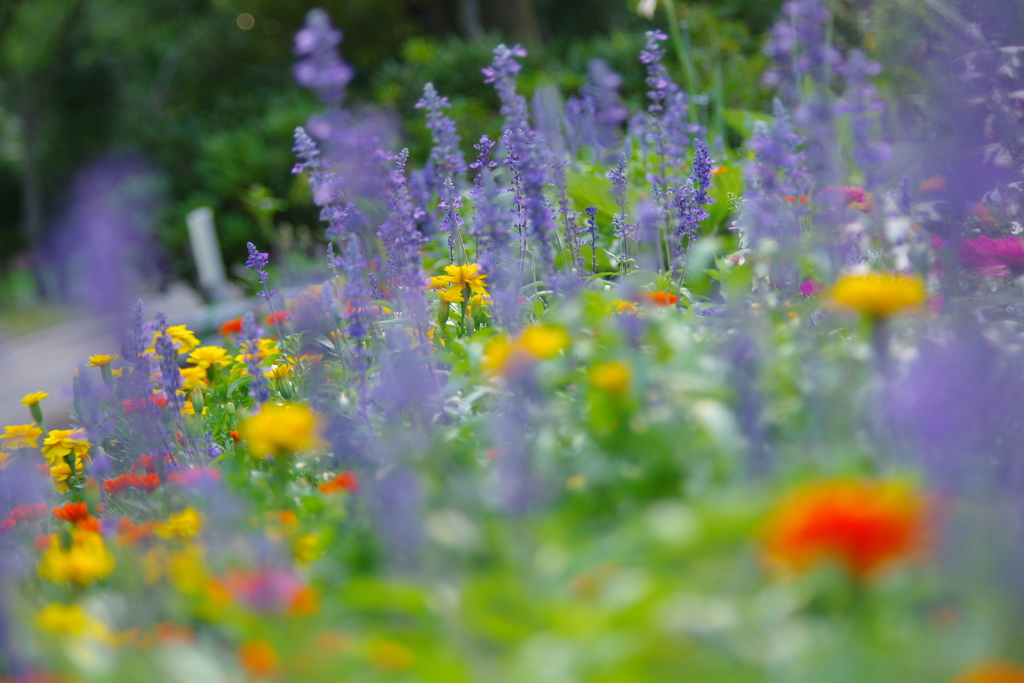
<point>183,525</point>
<point>535,342</point>
<point>100,360</point>
<point>612,377</point>
<point>84,561</point>
<point>33,399</point>
<point>21,436</point>
<point>60,442</point>
<point>281,429</point>
<point>60,472</point>
<point>879,295</point>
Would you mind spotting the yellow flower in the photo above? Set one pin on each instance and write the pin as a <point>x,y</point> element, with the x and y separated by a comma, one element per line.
<point>5,460</point>
<point>33,399</point>
<point>208,356</point>
<point>183,525</point>
<point>60,472</point>
<point>184,340</point>
<point>879,295</point>
<point>452,295</point>
<point>21,436</point>
<point>438,282</point>
<point>279,371</point>
<point>189,409</point>
<point>544,342</point>
<point>479,300</point>
<point>465,276</point>
<point>118,372</point>
<point>61,619</point>
<point>625,307</point>
<point>612,377</point>
<point>278,429</point>
<point>84,561</point>
<point>307,548</point>
<point>60,442</point>
<point>195,377</point>
<point>496,355</point>
<point>101,360</point>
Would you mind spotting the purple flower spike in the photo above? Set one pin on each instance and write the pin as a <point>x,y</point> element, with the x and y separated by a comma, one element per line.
<point>321,68</point>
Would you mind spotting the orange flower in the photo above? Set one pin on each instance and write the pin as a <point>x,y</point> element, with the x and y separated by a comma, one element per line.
<point>864,526</point>
<point>258,658</point>
<point>661,298</point>
<point>277,317</point>
<point>345,481</point>
<point>231,327</point>
<point>993,672</point>
<point>75,513</point>
<point>28,513</point>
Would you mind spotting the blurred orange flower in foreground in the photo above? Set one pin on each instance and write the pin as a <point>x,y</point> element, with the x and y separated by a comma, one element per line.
<point>258,658</point>
<point>993,672</point>
<point>865,526</point>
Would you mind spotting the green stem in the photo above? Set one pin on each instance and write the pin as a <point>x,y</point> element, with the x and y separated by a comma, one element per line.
<point>682,45</point>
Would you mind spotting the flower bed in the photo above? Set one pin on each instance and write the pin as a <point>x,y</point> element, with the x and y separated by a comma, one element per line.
<point>575,411</point>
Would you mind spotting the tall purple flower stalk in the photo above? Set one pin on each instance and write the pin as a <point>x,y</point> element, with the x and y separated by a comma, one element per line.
<point>321,68</point>
<point>861,103</point>
<point>258,261</point>
<point>249,342</point>
<point>448,160</point>
<point>522,157</point>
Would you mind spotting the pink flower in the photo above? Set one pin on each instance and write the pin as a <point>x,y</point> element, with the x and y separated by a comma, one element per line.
<point>811,287</point>
<point>992,257</point>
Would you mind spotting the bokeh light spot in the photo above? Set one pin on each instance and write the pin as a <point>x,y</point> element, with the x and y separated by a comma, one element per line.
<point>245,21</point>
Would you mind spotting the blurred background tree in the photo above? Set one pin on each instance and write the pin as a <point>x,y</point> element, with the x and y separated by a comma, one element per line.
<point>202,90</point>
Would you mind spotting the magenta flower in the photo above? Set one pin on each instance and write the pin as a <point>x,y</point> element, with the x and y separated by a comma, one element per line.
<point>811,287</point>
<point>992,257</point>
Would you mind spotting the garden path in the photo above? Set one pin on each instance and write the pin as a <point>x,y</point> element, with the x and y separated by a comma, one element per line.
<point>46,360</point>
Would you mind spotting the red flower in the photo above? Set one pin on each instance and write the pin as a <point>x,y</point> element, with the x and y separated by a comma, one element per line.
<point>7,525</point>
<point>28,513</point>
<point>74,513</point>
<point>159,400</point>
<point>277,317</point>
<point>144,462</point>
<point>345,481</point>
<point>231,327</point>
<point>235,436</point>
<point>133,405</point>
<point>661,298</point>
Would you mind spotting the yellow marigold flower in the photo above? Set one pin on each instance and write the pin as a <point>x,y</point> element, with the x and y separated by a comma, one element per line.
<point>5,460</point>
<point>280,371</point>
<point>194,377</point>
<point>465,276</point>
<point>65,620</point>
<point>60,472</point>
<point>612,377</point>
<point>183,525</point>
<point>625,307</point>
<point>281,429</point>
<point>864,526</point>
<point>993,672</point>
<point>190,409</point>
<point>86,560</point>
<point>879,295</point>
<point>208,356</point>
<point>479,300</point>
<point>60,442</point>
<point>117,372</point>
<point>543,341</point>
<point>21,436</point>
<point>100,360</point>
<point>496,355</point>
<point>438,282</point>
<point>452,295</point>
<point>33,399</point>
<point>184,340</point>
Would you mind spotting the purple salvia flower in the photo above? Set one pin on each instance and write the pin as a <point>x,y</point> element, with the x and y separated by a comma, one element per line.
<point>502,74</point>
<point>448,159</point>
<point>700,175</point>
<point>906,201</point>
<point>603,91</point>
<point>580,123</point>
<point>249,343</point>
<point>452,222</point>
<point>399,235</point>
<point>354,291</point>
<point>860,101</point>
<point>321,67</point>
<point>490,220</point>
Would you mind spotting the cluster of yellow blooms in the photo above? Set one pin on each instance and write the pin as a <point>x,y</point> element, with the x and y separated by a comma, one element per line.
<point>504,353</point>
<point>459,283</point>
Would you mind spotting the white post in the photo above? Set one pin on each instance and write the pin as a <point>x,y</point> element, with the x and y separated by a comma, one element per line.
<point>206,252</point>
